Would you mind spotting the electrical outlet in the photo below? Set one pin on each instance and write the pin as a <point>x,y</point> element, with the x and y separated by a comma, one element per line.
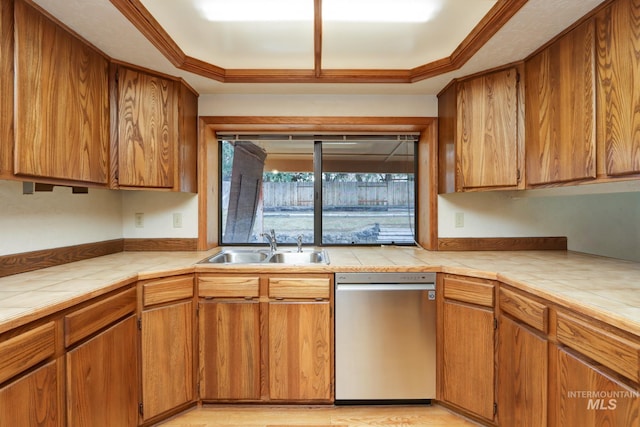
<point>177,220</point>
<point>459,219</point>
<point>139,220</point>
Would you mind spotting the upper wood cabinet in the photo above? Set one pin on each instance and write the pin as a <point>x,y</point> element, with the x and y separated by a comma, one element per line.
<point>481,132</point>
<point>560,109</point>
<point>6,89</point>
<point>618,89</point>
<point>61,102</point>
<point>156,132</point>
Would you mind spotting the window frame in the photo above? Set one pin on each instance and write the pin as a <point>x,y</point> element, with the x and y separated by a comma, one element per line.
<point>318,197</point>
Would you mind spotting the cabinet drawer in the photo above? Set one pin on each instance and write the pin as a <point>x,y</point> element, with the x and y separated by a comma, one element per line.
<point>169,289</point>
<point>21,352</point>
<point>525,309</point>
<point>229,286</point>
<point>300,287</point>
<point>84,322</point>
<point>620,354</point>
<point>469,290</point>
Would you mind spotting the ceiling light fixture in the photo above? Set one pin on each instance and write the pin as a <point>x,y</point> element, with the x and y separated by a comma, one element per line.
<point>380,10</point>
<point>332,10</point>
<point>256,10</point>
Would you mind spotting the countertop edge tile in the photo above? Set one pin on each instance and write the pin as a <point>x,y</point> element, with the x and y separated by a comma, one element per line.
<point>525,270</point>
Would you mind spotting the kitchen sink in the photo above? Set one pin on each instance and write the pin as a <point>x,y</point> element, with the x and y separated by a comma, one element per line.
<point>311,257</point>
<point>237,256</point>
<point>262,256</point>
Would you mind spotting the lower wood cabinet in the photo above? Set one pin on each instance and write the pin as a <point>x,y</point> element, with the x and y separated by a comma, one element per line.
<point>300,350</point>
<point>34,399</point>
<point>266,338</point>
<point>522,359</point>
<point>102,362</point>
<point>466,351</point>
<point>230,350</point>
<point>586,396</point>
<point>522,375</point>
<point>167,343</point>
<point>101,378</point>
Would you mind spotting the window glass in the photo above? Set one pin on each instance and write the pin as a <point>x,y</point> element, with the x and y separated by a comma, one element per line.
<point>267,184</point>
<point>368,189</point>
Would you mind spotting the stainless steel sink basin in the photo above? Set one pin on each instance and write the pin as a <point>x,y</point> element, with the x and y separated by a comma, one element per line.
<point>312,257</point>
<point>237,256</point>
<point>262,256</point>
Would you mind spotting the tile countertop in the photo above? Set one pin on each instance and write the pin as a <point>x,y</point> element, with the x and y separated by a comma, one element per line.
<point>604,288</point>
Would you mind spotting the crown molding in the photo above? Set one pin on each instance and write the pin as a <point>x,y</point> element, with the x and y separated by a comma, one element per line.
<point>141,18</point>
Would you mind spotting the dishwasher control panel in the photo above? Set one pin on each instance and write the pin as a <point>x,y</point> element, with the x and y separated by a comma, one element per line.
<point>394,277</point>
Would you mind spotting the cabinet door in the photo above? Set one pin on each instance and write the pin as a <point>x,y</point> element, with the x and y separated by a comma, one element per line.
<point>299,351</point>
<point>487,135</point>
<point>560,108</point>
<point>62,102</point>
<point>6,88</point>
<point>468,357</point>
<point>618,80</point>
<point>188,139</point>
<point>167,358</point>
<point>147,130</point>
<point>102,378</point>
<point>587,397</point>
<point>522,376</point>
<point>33,400</point>
<point>230,350</point>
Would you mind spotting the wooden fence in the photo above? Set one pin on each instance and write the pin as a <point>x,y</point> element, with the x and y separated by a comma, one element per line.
<point>339,194</point>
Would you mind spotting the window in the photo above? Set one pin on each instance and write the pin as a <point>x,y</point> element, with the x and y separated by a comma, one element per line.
<point>329,189</point>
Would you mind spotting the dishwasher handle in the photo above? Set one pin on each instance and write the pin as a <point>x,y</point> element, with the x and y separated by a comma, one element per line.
<point>364,287</point>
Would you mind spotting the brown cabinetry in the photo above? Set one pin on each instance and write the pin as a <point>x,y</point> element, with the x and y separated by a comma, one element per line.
<point>35,398</point>
<point>522,360</point>
<point>101,361</point>
<point>156,132</point>
<point>6,88</point>
<point>586,396</point>
<point>618,89</point>
<point>167,343</point>
<point>101,378</point>
<point>229,338</point>
<point>560,108</point>
<point>61,102</point>
<point>278,328</point>
<point>300,339</point>
<point>481,132</point>
<point>466,327</point>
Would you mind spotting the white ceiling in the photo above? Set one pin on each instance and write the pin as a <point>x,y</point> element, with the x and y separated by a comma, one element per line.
<point>345,45</point>
<point>290,46</point>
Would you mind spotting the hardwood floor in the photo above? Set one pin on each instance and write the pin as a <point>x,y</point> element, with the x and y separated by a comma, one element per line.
<point>299,416</point>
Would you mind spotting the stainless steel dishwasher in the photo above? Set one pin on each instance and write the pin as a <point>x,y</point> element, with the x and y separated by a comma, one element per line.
<point>385,332</point>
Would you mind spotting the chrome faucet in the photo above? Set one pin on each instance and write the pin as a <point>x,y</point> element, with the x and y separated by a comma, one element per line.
<point>299,243</point>
<point>271,238</point>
